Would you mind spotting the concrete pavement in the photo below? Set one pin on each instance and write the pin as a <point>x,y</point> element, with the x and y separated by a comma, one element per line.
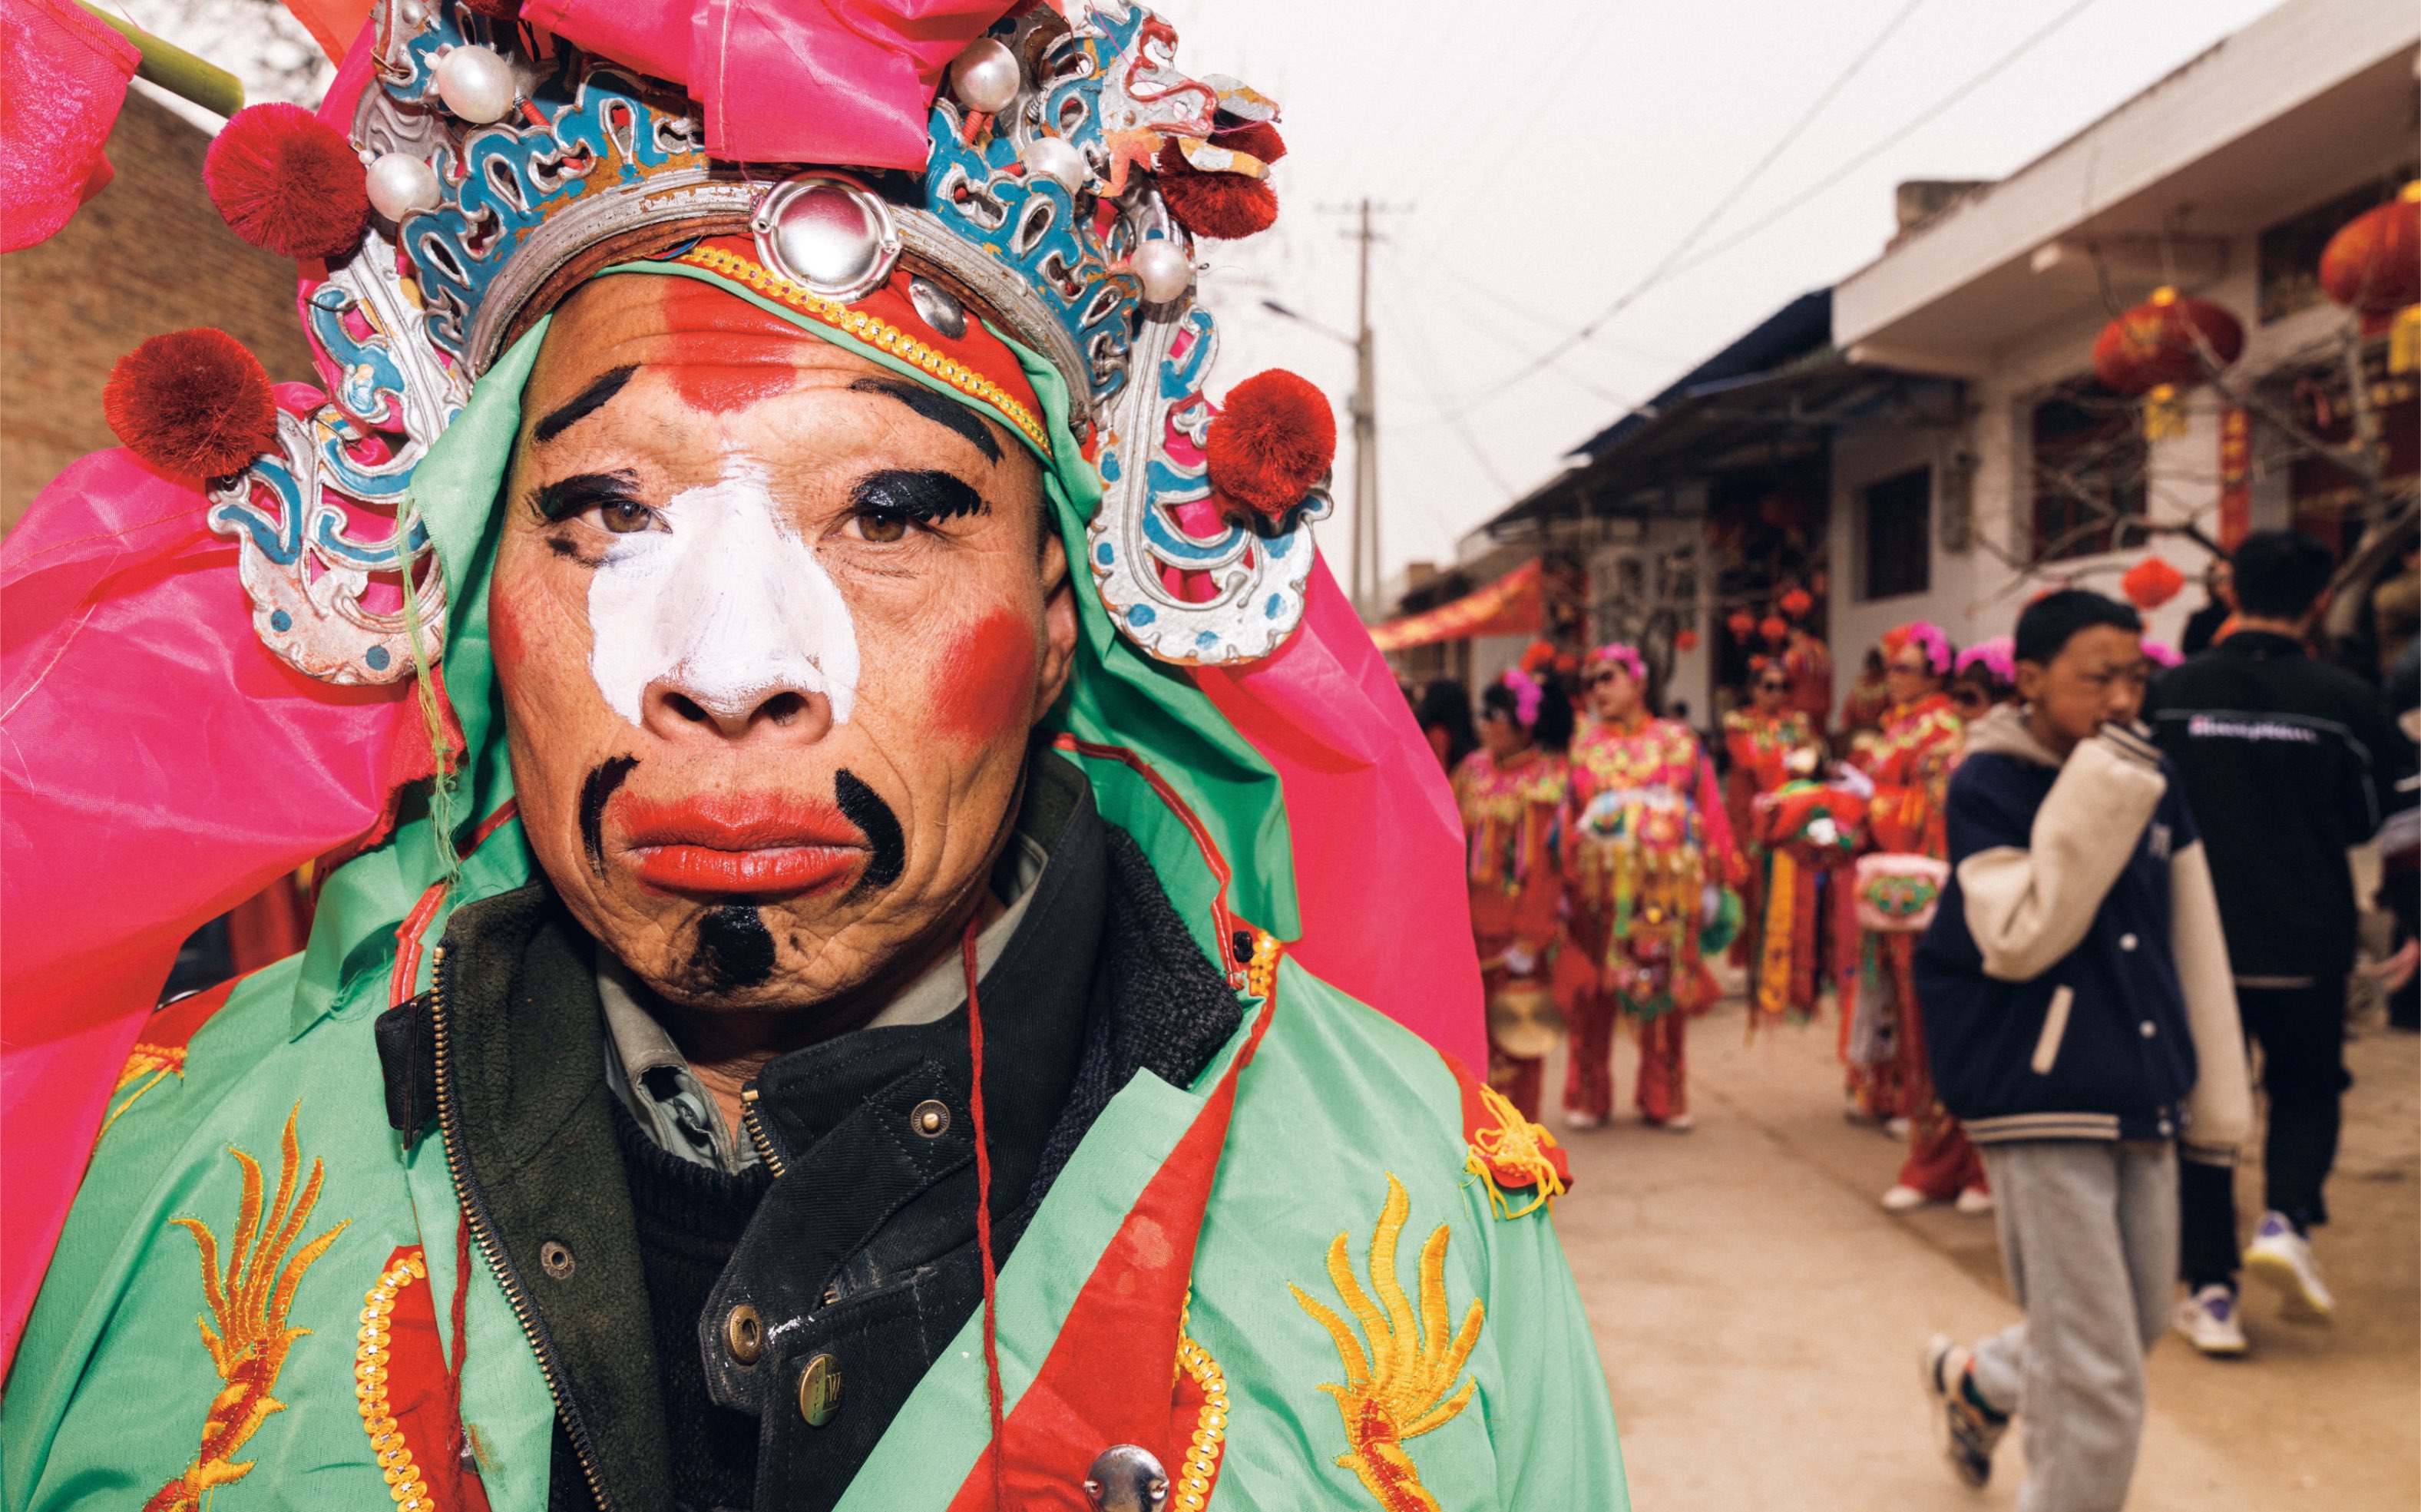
<point>1760,1316</point>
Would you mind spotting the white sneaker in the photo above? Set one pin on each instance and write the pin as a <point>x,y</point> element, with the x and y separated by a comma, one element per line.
<point>2283,1258</point>
<point>1974,1202</point>
<point>2207,1319</point>
<point>1904,1199</point>
<point>1681,1123</point>
<point>1581,1122</point>
<point>1897,1129</point>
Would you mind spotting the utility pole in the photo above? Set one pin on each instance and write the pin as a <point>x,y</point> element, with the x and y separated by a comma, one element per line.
<point>1367,580</point>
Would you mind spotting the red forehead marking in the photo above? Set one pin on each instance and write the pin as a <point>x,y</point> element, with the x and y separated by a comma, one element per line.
<point>722,354</point>
<point>987,684</point>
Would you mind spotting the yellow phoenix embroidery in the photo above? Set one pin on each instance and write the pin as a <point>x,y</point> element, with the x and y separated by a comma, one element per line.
<point>250,1302</point>
<point>1399,1389</point>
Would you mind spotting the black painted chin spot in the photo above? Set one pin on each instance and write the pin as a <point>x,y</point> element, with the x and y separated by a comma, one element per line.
<point>863,807</point>
<point>734,947</point>
<point>593,794</point>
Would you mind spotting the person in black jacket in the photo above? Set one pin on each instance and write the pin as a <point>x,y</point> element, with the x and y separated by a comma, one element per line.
<point>2079,1023</point>
<point>2284,759</point>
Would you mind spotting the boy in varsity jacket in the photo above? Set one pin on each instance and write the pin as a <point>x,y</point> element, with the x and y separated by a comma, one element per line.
<point>2081,1023</point>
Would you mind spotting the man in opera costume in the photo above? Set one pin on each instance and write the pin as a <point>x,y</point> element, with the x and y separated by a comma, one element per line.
<point>1649,867</point>
<point>1773,746</point>
<point>847,969</point>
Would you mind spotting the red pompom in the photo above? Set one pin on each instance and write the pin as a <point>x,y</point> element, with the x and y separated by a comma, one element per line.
<point>2151,582</point>
<point>192,402</point>
<point>1272,442</point>
<point>288,182</point>
<point>1260,138</point>
<point>1223,206</point>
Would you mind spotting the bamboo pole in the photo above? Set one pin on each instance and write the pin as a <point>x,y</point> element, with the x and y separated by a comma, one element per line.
<point>175,69</point>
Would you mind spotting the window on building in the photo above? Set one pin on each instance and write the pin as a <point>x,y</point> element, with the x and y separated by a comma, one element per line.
<point>2089,462</point>
<point>2289,253</point>
<point>1899,521</point>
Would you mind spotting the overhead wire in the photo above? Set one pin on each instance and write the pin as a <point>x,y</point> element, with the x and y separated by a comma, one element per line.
<point>1722,205</point>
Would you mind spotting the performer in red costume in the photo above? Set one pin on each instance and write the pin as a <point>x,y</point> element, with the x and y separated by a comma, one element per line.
<point>1511,794</point>
<point>1908,765</point>
<point>1650,862</point>
<point>1771,743</point>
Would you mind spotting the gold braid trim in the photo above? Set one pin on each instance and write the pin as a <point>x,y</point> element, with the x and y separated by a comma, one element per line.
<point>403,1478</point>
<point>880,334</point>
<point>1199,1471</point>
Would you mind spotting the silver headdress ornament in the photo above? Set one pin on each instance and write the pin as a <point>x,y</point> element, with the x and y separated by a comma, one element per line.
<point>503,166</point>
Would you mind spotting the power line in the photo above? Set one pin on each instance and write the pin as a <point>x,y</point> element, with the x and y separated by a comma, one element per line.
<point>1671,269</point>
<point>1722,204</point>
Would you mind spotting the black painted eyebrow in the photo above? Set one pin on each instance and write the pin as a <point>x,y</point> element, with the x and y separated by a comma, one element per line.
<point>585,403</point>
<point>933,407</point>
<point>568,497</point>
<point>925,497</point>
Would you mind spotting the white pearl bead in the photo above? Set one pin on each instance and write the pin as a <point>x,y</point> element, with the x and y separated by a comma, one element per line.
<point>412,13</point>
<point>401,184</point>
<point>986,76</point>
<point>1164,270</point>
<point>1055,157</point>
<point>475,85</point>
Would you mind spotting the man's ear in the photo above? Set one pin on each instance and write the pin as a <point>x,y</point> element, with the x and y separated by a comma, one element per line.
<point>1058,625</point>
<point>2030,680</point>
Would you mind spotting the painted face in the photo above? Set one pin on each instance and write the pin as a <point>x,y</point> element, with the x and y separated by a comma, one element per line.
<point>772,626</point>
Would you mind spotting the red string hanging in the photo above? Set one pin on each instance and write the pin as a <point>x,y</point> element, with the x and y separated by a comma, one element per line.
<point>983,1213</point>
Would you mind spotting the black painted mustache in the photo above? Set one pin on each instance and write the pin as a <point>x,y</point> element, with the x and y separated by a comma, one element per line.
<point>889,850</point>
<point>600,787</point>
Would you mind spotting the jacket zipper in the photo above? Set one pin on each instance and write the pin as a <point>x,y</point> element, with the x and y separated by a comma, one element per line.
<point>475,1212</point>
<point>756,1135</point>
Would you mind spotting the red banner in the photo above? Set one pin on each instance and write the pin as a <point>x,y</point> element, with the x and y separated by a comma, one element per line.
<point>1511,605</point>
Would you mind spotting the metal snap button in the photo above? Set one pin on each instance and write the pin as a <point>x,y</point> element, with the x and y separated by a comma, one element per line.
<point>1126,1478</point>
<point>743,1334</point>
<point>930,1118</point>
<point>554,1258</point>
<point>819,1390</point>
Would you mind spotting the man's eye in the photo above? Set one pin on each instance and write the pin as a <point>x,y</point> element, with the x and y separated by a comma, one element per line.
<point>625,517</point>
<point>881,526</point>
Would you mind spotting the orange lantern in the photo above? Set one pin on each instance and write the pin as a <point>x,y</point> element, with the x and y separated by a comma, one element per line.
<point>2372,267</point>
<point>2156,349</point>
<point>1773,627</point>
<point>1742,624</point>
<point>1796,603</point>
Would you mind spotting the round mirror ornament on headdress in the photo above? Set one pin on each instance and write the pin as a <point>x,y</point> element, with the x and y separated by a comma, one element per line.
<point>1066,169</point>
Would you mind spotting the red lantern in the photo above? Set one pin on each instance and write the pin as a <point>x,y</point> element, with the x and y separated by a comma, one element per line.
<point>1742,624</point>
<point>2151,582</point>
<point>1773,627</point>
<point>1796,603</point>
<point>2372,267</point>
<point>2157,350</point>
<point>1685,640</point>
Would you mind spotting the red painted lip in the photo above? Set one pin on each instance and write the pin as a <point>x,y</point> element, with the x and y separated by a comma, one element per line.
<point>772,846</point>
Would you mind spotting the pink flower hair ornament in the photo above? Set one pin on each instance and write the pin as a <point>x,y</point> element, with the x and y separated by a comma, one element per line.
<point>1624,656</point>
<point>1527,695</point>
<point>2162,654</point>
<point>1923,632</point>
<point>1997,655</point>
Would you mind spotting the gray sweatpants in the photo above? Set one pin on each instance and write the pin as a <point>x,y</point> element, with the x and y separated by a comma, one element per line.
<point>2089,1235</point>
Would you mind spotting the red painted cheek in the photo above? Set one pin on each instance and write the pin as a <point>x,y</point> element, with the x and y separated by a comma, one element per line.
<point>721,352</point>
<point>987,687</point>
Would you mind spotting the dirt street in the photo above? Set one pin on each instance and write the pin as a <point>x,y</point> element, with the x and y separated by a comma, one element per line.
<point>1760,1316</point>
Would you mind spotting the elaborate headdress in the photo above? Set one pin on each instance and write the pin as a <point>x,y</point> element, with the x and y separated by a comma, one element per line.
<point>1925,634</point>
<point>1625,656</point>
<point>1020,241</point>
<point>1997,655</point>
<point>1528,694</point>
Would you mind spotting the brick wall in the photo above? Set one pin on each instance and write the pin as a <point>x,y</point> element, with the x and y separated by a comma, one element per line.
<point>147,255</point>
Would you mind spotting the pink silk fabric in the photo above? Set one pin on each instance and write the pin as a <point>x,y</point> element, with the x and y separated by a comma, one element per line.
<point>789,80</point>
<point>157,767</point>
<point>1378,843</point>
<point>62,79</point>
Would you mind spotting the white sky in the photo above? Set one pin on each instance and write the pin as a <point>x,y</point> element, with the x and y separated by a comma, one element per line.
<point>1553,153</point>
<point>1548,156</point>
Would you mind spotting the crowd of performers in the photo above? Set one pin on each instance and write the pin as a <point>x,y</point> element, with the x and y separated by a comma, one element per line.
<point>1609,865</point>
